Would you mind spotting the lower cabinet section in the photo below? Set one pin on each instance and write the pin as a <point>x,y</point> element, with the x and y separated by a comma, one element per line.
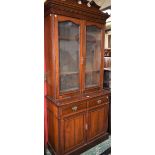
<point>71,131</point>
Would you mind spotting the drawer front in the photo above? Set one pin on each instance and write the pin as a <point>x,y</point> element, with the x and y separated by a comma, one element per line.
<point>73,108</point>
<point>98,101</point>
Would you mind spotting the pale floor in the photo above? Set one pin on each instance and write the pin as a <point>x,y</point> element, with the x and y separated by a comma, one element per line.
<point>97,150</point>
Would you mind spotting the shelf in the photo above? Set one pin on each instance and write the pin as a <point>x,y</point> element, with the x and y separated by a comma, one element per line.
<point>107,56</point>
<point>91,41</point>
<point>68,73</point>
<point>75,38</point>
<point>92,71</point>
<point>107,88</point>
<point>70,89</point>
<point>107,69</point>
<point>107,81</point>
<point>91,85</point>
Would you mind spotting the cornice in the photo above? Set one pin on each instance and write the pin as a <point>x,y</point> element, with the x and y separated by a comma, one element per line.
<point>72,9</point>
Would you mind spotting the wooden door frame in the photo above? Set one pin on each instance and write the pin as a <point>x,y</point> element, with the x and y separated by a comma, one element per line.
<point>100,85</point>
<point>80,23</point>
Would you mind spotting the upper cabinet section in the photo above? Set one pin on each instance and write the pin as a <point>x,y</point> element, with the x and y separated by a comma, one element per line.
<point>69,55</point>
<point>73,48</point>
<point>93,56</point>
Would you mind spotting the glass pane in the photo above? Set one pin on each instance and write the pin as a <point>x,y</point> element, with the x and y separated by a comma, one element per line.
<point>69,55</point>
<point>93,56</point>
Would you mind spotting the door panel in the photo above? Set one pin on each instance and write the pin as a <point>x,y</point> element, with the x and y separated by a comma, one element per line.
<point>69,134</point>
<point>74,131</point>
<point>97,121</point>
<point>69,53</point>
<point>93,56</point>
<point>93,121</point>
<point>79,130</point>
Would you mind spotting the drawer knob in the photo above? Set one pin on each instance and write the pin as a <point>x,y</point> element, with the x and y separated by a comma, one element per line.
<point>74,108</point>
<point>99,101</point>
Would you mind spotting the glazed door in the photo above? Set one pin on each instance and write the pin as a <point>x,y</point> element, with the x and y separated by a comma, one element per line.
<point>68,56</point>
<point>97,121</point>
<point>74,131</point>
<point>93,55</point>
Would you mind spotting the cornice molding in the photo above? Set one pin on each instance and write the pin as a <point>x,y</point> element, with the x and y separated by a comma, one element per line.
<point>75,10</point>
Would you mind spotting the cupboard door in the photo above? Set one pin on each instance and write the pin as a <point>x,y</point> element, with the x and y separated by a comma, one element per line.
<point>93,56</point>
<point>97,121</point>
<point>74,131</point>
<point>69,54</point>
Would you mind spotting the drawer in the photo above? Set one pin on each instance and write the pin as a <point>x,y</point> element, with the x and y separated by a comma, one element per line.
<point>98,101</point>
<point>73,108</point>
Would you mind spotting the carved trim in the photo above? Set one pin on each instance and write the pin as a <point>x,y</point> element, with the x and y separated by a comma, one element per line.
<point>75,10</point>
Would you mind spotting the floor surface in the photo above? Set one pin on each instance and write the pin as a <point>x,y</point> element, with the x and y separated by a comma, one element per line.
<point>100,149</point>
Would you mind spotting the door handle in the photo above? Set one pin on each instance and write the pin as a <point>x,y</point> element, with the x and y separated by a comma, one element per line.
<point>99,101</point>
<point>74,108</point>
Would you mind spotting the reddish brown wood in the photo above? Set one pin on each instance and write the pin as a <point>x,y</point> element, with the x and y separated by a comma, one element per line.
<point>73,131</point>
<point>102,57</point>
<point>89,121</point>
<point>83,56</point>
<point>52,55</point>
<point>82,49</point>
<point>71,8</point>
<point>98,120</point>
<point>55,40</point>
<point>88,23</point>
<point>53,126</point>
<point>49,54</point>
<point>77,120</point>
<point>76,21</point>
<point>74,108</point>
<point>98,101</point>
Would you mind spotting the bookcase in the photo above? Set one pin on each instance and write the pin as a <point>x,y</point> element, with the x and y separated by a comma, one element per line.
<point>77,104</point>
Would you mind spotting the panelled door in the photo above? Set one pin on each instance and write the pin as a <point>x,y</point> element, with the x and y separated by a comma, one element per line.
<point>93,56</point>
<point>68,57</point>
<point>97,121</point>
<point>74,131</point>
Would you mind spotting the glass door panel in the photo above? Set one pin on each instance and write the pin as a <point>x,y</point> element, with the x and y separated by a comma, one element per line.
<point>69,51</point>
<point>93,56</point>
